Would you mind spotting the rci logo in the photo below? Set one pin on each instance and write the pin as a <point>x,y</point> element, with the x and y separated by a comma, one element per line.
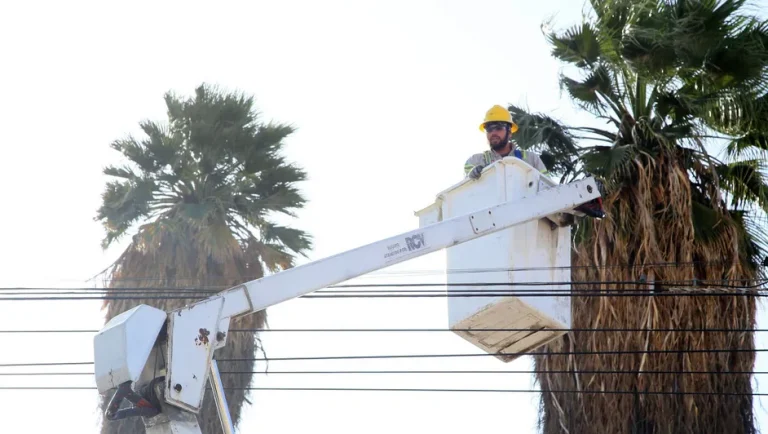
<point>415,242</point>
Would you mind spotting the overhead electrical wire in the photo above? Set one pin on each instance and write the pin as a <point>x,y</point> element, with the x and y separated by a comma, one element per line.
<point>26,293</point>
<point>420,372</point>
<point>477,294</point>
<point>523,353</point>
<point>420,356</point>
<point>490,329</point>
<point>718,283</point>
<point>392,273</point>
<point>608,288</point>
<point>434,330</point>
<point>350,389</point>
<point>660,288</point>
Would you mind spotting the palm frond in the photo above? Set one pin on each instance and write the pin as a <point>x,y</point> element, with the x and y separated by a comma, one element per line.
<point>540,132</point>
<point>124,203</point>
<point>645,43</point>
<point>588,90</point>
<point>211,162</point>
<point>706,222</point>
<point>750,145</point>
<point>608,161</point>
<point>293,239</point>
<point>746,182</point>
<point>578,45</point>
<point>754,241</point>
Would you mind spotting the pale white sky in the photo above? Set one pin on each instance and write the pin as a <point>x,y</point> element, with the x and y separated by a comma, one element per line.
<point>387,96</point>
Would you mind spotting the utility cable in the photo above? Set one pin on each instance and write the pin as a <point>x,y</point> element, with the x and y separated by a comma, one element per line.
<point>545,292</point>
<point>349,389</point>
<point>387,296</point>
<point>390,273</point>
<point>715,283</point>
<point>446,372</point>
<point>421,356</point>
<point>549,353</point>
<point>434,330</point>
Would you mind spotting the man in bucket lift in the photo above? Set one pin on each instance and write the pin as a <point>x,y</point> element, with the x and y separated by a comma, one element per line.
<point>499,127</point>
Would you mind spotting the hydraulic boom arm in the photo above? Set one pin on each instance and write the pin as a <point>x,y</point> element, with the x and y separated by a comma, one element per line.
<point>195,331</point>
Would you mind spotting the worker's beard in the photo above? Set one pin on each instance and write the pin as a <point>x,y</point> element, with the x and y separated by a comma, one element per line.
<point>502,143</point>
<point>499,146</point>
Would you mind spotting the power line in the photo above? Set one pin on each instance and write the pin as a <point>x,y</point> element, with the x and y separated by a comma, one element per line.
<point>349,389</point>
<point>549,353</point>
<point>715,283</point>
<point>434,330</point>
<point>691,282</point>
<point>47,331</point>
<point>390,273</point>
<point>451,372</point>
<point>418,356</point>
<point>446,330</point>
<point>485,294</point>
<point>668,288</point>
<point>473,294</point>
<point>15,365</point>
<point>387,296</point>
<point>607,392</point>
<point>46,374</point>
<point>530,371</point>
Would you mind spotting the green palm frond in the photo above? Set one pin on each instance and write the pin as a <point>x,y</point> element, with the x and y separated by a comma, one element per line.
<point>754,237</point>
<point>750,145</point>
<point>578,45</point>
<point>675,106</point>
<point>588,91</point>
<point>666,75</point>
<point>554,141</point>
<point>292,239</point>
<point>212,172</point>
<point>746,182</point>
<point>707,222</point>
<point>645,45</point>
<point>608,161</point>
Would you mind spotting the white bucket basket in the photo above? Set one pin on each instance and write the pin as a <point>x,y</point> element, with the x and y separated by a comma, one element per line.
<point>534,257</point>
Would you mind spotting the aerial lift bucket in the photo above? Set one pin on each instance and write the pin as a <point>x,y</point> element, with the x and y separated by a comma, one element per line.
<point>525,268</point>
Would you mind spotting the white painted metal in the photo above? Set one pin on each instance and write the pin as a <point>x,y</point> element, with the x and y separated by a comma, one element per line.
<point>538,251</point>
<point>171,420</point>
<point>222,331</point>
<point>236,302</point>
<point>191,336</point>
<point>122,347</point>
<point>192,366</point>
<point>193,331</point>
<point>450,232</point>
<point>221,399</point>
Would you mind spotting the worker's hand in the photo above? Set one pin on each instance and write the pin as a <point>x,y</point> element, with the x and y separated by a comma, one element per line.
<point>475,172</point>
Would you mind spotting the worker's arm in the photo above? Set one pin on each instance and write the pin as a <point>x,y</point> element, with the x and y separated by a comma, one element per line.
<point>538,164</point>
<point>474,165</point>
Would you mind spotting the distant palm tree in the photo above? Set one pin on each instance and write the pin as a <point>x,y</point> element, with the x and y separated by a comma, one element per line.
<point>203,190</point>
<point>671,80</point>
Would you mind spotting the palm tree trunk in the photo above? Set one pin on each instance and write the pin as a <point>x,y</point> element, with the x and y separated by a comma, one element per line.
<point>650,222</point>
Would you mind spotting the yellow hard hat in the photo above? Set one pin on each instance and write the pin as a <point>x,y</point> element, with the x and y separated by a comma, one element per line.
<point>498,113</point>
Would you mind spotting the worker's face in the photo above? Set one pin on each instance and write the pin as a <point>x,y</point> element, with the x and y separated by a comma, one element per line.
<point>496,132</point>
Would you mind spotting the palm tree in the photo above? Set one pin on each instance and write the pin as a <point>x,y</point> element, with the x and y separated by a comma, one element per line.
<point>201,194</point>
<point>674,82</point>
